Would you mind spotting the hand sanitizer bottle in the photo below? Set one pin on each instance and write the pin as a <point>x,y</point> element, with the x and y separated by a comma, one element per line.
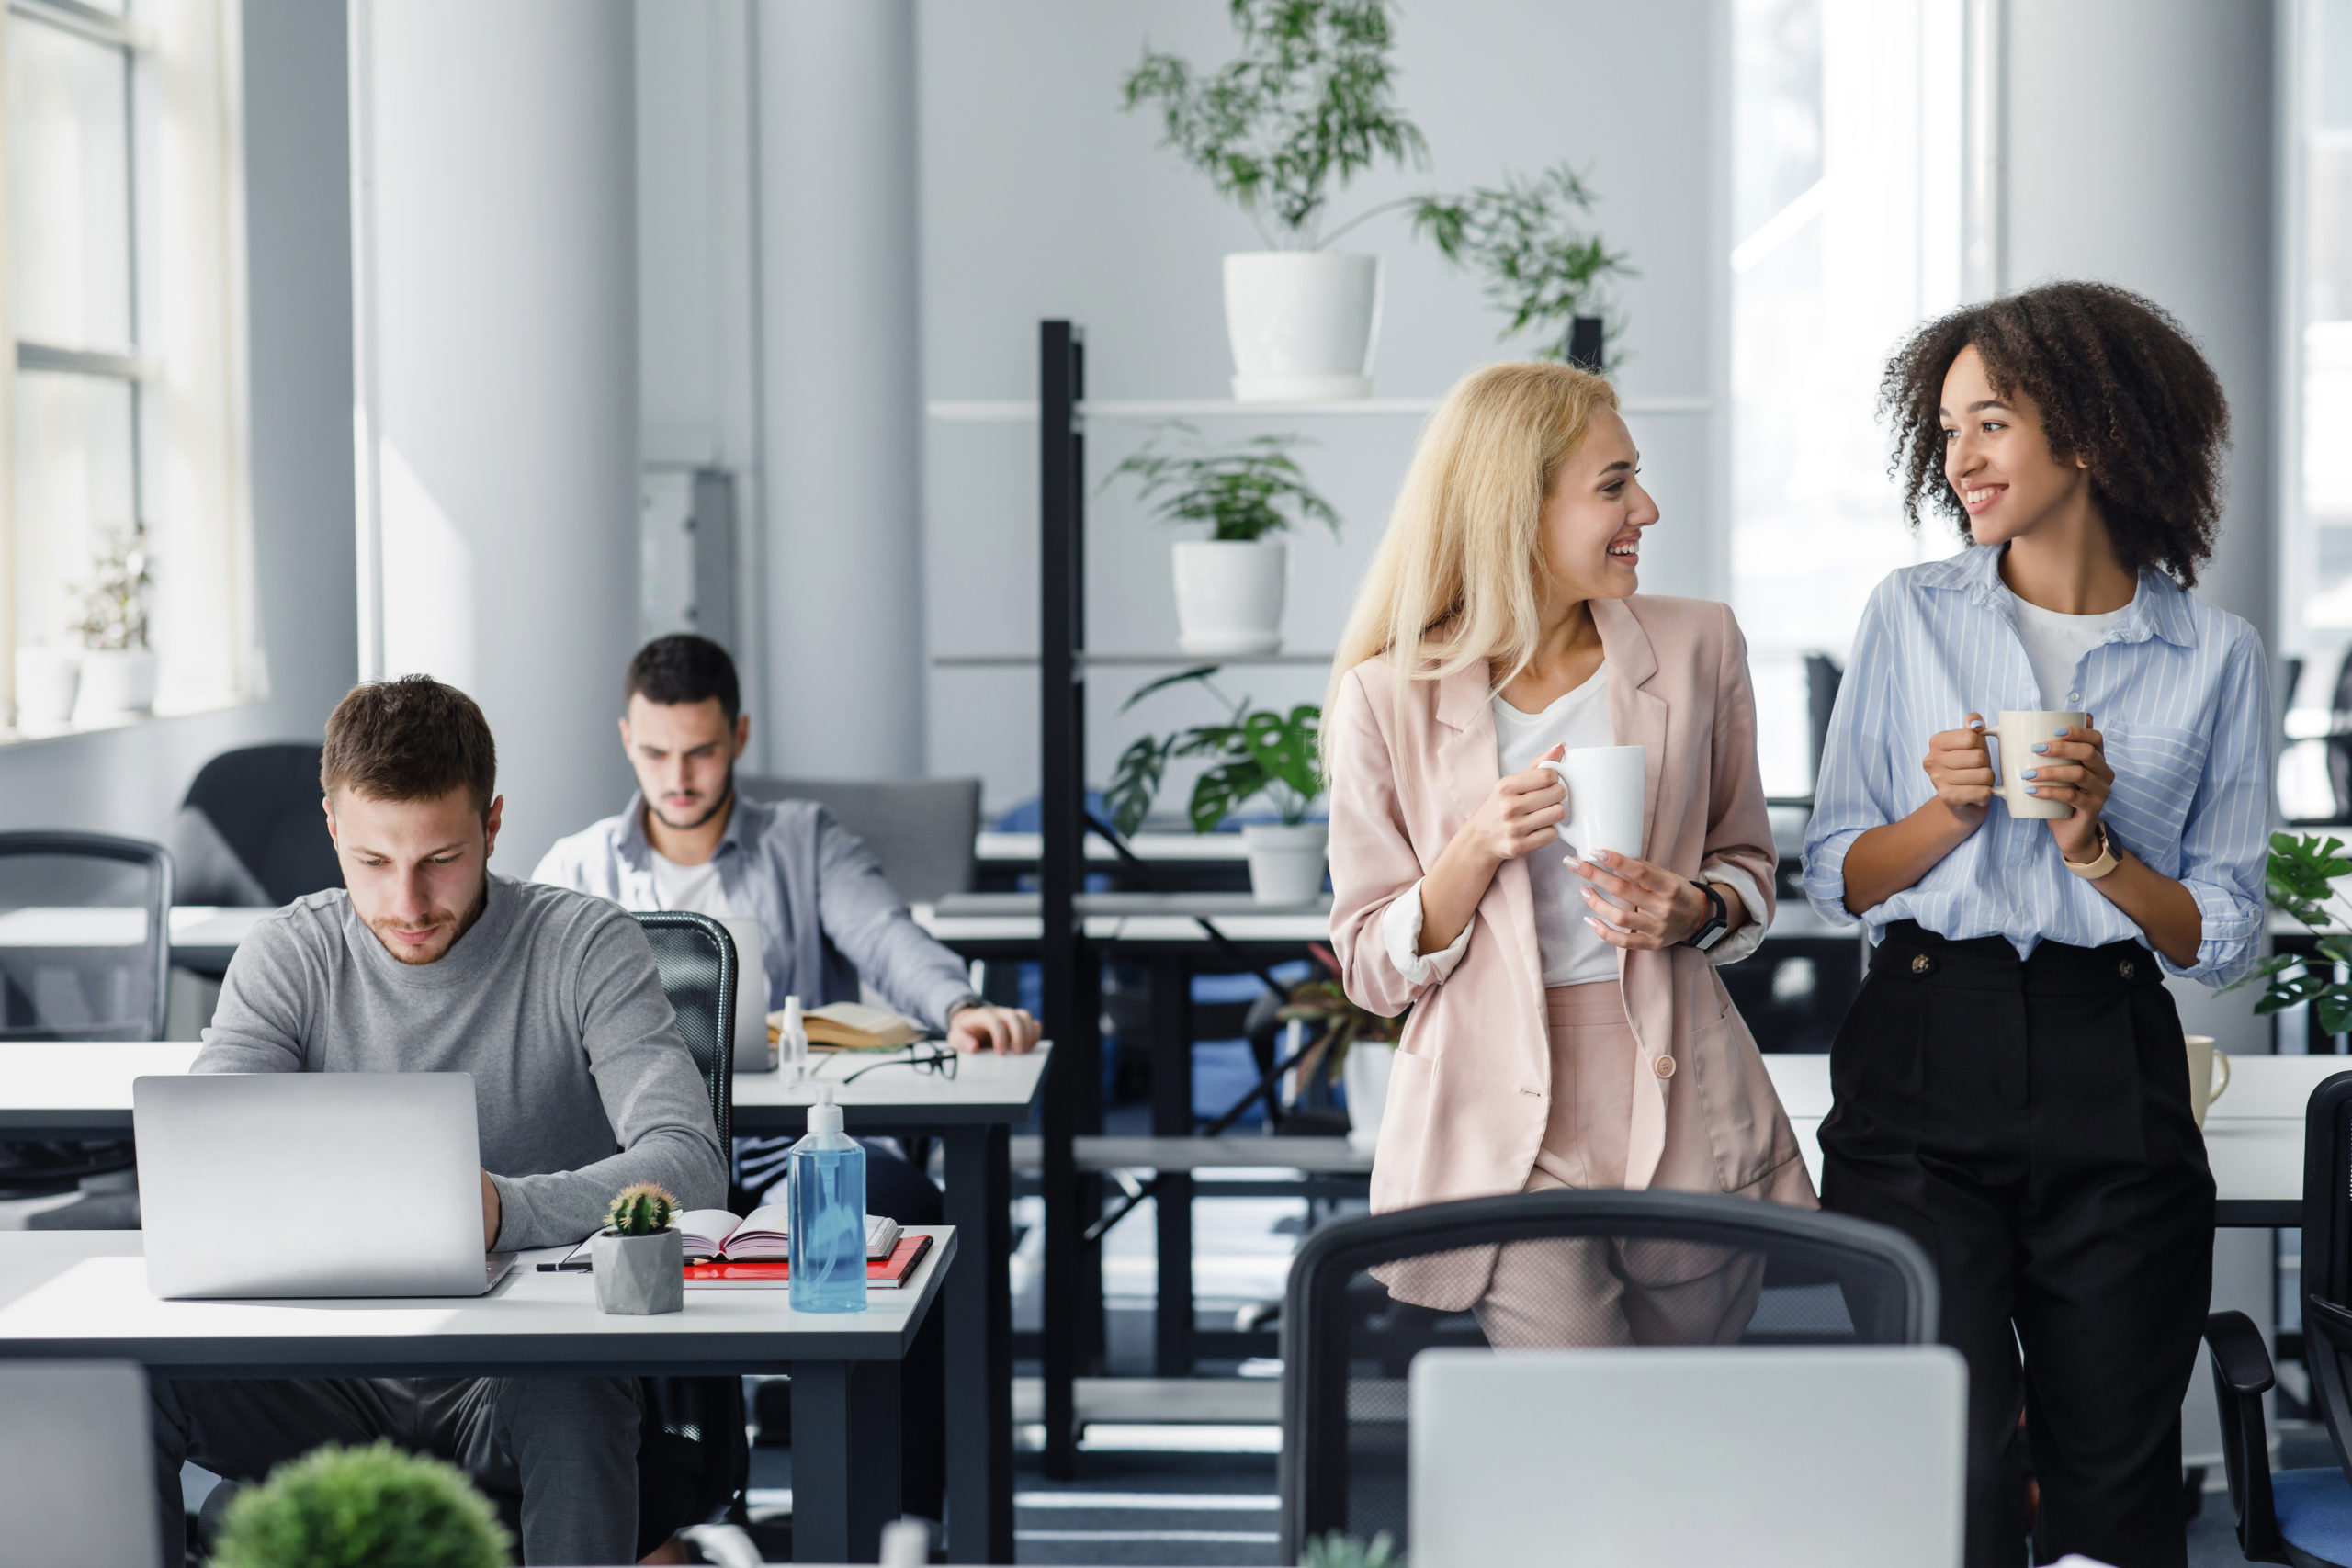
<point>793,1042</point>
<point>827,1217</point>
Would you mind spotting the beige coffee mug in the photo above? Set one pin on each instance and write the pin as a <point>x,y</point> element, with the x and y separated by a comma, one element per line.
<point>2024,731</point>
<point>2208,1075</point>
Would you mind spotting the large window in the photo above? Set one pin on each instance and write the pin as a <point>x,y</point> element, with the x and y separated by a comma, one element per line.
<point>1847,229</point>
<point>122,524</point>
<point>2316,491</point>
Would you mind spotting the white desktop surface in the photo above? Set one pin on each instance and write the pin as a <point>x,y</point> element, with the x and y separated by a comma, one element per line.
<point>2254,1133</point>
<point>986,1088</point>
<point>193,925</point>
<point>84,1293</point>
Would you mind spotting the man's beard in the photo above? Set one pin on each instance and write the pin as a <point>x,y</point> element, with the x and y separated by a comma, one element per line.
<point>725,798</point>
<point>457,925</point>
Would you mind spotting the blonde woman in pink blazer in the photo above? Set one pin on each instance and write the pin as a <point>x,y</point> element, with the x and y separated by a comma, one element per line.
<point>1567,1028</point>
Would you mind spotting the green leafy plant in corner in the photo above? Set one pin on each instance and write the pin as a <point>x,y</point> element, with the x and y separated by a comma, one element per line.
<point>640,1209</point>
<point>1325,1001</point>
<point>1539,268</point>
<point>1257,751</point>
<point>372,1507</point>
<point>2301,875</point>
<point>1309,103</point>
<point>1243,494</point>
<point>1337,1550</point>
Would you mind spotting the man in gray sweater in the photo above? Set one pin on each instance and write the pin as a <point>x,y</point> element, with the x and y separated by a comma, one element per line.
<point>426,963</point>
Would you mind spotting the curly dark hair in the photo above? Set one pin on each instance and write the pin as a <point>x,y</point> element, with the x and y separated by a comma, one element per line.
<point>2118,383</point>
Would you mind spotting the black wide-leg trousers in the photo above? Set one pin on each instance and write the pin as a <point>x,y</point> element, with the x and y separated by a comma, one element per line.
<point>2027,1124</point>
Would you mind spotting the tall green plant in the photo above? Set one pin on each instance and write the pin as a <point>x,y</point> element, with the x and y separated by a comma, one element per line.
<point>1257,752</point>
<point>1307,105</point>
<point>372,1507</point>
<point>1244,494</point>
<point>1539,266</point>
<point>2302,877</point>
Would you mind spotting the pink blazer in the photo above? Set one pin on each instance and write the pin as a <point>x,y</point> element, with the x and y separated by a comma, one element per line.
<point>1469,1096</point>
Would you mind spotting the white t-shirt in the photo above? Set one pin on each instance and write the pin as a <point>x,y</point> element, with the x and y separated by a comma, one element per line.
<point>2054,645</point>
<point>1571,954</point>
<point>693,887</point>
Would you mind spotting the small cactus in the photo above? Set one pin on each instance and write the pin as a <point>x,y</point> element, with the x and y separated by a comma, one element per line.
<point>640,1209</point>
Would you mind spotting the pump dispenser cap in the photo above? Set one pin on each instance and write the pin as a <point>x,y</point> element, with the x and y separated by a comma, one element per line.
<point>825,1116</point>
<point>792,1015</point>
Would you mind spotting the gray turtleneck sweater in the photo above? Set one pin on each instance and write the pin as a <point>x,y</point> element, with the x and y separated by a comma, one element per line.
<point>550,1000</point>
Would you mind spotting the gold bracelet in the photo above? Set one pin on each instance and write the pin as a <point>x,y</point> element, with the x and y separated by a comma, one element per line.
<point>2091,871</point>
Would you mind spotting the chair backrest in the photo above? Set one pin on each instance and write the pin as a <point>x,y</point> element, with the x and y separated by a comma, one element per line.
<point>76,1464</point>
<point>1551,1269</point>
<point>85,946</point>
<point>695,958</point>
<point>259,803</point>
<point>922,830</point>
<point>2326,1273</point>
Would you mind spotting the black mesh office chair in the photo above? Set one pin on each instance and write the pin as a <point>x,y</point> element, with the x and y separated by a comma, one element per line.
<point>86,953</point>
<point>1747,1273</point>
<point>692,1457</point>
<point>250,830</point>
<point>2302,1516</point>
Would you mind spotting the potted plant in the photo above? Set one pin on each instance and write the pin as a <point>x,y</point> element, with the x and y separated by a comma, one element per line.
<point>118,679</point>
<point>1307,106</point>
<point>1338,1550</point>
<point>47,681</point>
<point>637,1260</point>
<point>1228,586</point>
<point>1357,1049</point>
<point>377,1506</point>
<point>1256,751</point>
<point>2303,875</point>
<point>1543,271</point>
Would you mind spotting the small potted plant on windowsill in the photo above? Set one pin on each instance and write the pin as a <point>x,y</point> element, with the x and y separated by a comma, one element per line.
<point>118,666</point>
<point>378,1505</point>
<point>1305,105</point>
<point>1256,751</point>
<point>639,1259</point>
<point>1229,586</point>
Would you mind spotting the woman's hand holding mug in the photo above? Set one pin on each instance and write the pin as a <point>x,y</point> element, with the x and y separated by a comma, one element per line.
<point>1521,812</point>
<point>1961,767</point>
<point>2070,768</point>
<point>1654,907</point>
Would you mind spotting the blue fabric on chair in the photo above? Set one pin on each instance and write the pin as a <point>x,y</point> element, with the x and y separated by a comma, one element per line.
<point>2314,1511</point>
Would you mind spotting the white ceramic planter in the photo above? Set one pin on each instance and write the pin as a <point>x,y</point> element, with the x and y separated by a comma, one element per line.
<point>1286,862</point>
<point>637,1276</point>
<point>1302,324</point>
<point>116,684</point>
<point>1230,595</point>
<point>1365,1078</point>
<point>47,680</point>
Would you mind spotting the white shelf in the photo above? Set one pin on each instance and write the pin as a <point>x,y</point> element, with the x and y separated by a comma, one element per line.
<point>1139,660</point>
<point>1020,411</point>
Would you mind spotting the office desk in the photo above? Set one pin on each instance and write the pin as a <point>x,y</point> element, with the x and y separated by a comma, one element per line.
<point>2254,1133</point>
<point>82,1089</point>
<point>83,1294</point>
<point>203,936</point>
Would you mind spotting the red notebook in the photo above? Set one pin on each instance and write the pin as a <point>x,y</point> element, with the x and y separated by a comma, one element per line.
<point>881,1273</point>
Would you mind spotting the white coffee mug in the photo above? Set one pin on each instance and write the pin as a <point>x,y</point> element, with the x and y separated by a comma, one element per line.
<point>2025,731</point>
<point>2208,1075</point>
<point>1606,785</point>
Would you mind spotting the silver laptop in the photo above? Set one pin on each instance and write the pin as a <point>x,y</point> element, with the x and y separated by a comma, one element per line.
<point>76,1465</point>
<point>312,1184</point>
<point>1843,1458</point>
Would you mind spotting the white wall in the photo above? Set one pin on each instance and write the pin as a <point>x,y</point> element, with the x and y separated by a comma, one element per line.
<point>299,272</point>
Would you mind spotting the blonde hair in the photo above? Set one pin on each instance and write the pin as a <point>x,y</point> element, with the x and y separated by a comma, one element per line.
<point>1454,581</point>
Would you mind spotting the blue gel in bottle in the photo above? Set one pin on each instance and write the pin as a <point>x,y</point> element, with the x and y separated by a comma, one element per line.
<point>826,1194</point>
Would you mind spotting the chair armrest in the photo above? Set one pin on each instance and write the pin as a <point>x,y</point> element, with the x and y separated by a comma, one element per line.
<point>2239,1358</point>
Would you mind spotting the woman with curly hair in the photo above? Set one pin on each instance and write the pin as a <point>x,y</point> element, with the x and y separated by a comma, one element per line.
<point>2011,1084</point>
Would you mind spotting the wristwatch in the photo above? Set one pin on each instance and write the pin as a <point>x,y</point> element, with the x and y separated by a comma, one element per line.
<point>1710,930</point>
<point>2092,870</point>
<point>968,999</point>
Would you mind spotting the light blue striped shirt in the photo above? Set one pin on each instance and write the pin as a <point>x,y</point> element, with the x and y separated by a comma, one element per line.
<point>2179,691</point>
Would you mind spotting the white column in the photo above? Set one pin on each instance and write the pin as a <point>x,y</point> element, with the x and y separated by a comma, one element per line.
<point>2139,153</point>
<point>495,195</point>
<point>842,421</point>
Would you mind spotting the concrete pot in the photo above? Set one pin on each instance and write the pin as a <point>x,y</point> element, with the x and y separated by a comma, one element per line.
<point>1230,595</point>
<point>637,1276</point>
<point>1285,861</point>
<point>1302,324</point>
<point>47,680</point>
<point>117,683</point>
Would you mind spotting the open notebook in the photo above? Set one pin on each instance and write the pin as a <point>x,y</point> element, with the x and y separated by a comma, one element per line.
<point>852,1026</point>
<point>716,1235</point>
